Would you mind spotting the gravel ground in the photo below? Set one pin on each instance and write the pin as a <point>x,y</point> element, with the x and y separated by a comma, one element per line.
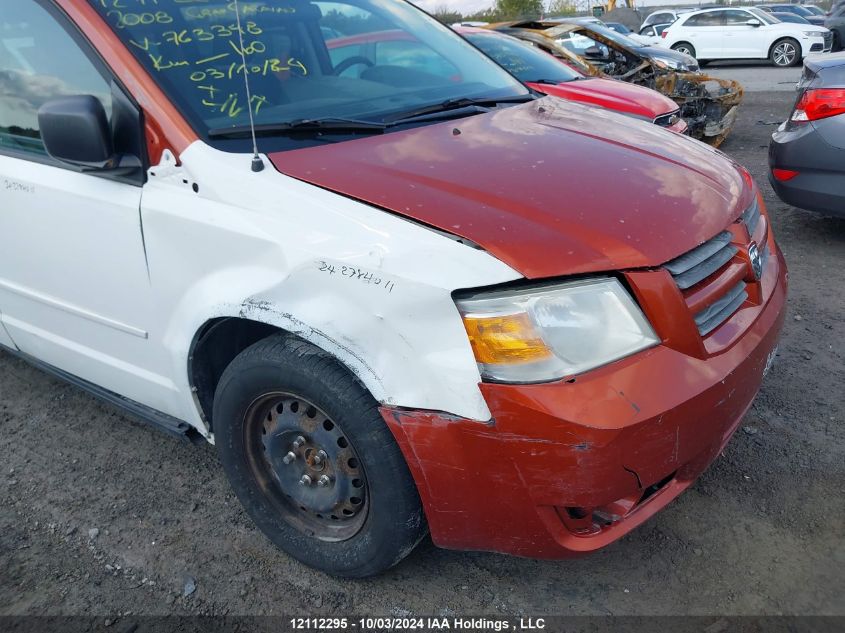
<point>102,515</point>
<point>757,76</point>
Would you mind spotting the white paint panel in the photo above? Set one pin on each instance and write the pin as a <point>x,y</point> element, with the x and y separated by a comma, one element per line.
<point>5,339</point>
<point>253,245</point>
<point>74,288</point>
<point>115,295</point>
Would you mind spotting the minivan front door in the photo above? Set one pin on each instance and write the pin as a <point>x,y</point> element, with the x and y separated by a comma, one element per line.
<point>74,286</point>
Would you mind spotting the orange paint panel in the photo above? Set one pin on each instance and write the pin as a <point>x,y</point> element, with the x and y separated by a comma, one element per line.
<point>166,128</point>
<point>567,467</point>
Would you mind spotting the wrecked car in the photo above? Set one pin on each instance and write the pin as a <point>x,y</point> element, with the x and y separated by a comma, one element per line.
<point>420,298</point>
<point>708,105</point>
<point>547,74</point>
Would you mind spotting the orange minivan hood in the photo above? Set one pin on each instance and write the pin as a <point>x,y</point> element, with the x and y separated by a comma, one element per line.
<point>549,187</point>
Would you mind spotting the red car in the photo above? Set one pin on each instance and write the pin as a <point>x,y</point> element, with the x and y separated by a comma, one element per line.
<point>548,75</point>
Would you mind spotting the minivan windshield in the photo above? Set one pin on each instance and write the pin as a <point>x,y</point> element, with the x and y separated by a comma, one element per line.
<point>343,60</point>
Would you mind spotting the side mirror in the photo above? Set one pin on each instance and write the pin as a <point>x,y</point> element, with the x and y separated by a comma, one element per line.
<point>75,130</point>
<point>753,22</point>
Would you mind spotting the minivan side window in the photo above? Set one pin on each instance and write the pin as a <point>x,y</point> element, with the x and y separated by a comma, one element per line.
<point>39,61</point>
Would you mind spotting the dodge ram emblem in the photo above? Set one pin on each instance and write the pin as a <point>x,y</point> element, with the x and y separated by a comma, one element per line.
<point>756,260</point>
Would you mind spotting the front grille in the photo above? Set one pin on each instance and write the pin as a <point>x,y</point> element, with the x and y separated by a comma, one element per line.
<point>718,312</point>
<point>702,261</point>
<point>667,120</point>
<point>828,40</point>
<point>712,278</point>
<point>751,216</point>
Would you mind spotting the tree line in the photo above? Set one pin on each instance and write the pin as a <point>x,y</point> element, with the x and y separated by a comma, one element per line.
<point>505,10</point>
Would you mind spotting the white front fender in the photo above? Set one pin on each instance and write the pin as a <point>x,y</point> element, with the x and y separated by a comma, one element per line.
<point>372,289</point>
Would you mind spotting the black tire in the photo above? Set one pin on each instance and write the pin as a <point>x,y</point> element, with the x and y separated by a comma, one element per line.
<point>785,52</point>
<point>703,62</point>
<point>286,367</point>
<point>684,47</point>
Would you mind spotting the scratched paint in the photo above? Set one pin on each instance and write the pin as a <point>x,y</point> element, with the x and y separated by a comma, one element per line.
<point>258,244</point>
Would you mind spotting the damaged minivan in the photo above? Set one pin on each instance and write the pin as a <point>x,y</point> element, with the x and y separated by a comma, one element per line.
<point>708,105</point>
<point>399,291</point>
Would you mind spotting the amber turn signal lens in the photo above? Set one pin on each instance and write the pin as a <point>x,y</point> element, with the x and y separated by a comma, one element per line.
<point>505,339</point>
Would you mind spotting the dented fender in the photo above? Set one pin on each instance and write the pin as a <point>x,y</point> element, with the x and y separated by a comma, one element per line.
<point>371,289</point>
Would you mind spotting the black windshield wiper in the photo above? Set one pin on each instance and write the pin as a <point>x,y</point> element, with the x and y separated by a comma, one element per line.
<point>450,105</point>
<point>339,126</point>
<point>351,126</point>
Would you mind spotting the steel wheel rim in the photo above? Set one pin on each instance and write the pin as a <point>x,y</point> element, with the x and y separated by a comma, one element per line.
<point>333,503</point>
<point>685,50</point>
<point>784,54</point>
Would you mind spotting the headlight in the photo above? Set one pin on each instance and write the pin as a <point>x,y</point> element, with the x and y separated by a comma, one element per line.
<point>542,334</point>
<point>814,33</point>
<point>670,63</point>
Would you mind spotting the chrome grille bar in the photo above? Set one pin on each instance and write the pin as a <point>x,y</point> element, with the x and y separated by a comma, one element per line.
<point>702,261</point>
<point>751,216</point>
<point>718,312</point>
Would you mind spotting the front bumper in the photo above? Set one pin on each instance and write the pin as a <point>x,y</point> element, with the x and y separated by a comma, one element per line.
<point>568,467</point>
<point>812,45</point>
<point>709,105</point>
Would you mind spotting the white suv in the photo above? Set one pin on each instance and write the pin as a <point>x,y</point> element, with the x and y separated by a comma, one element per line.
<point>744,33</point>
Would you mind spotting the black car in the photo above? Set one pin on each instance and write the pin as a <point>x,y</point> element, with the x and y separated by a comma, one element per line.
<point>807,153</point>
<point>797,9</point>
<point>790,17</point>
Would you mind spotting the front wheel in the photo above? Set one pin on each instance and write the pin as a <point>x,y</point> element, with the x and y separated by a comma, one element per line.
<point>312,461</point>
<point>684,47</point>
<point>785,53</point>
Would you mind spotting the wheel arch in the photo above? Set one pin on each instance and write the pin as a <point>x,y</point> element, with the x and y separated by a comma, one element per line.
<point>407,349</point>
<point>685,43</point>
<point>221,339</point>
<point>214,346</point>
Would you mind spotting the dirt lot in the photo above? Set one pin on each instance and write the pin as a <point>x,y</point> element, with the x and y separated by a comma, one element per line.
<point>102,515</point>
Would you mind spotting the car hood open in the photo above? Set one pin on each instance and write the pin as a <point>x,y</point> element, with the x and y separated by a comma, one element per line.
<point>550,187</point>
